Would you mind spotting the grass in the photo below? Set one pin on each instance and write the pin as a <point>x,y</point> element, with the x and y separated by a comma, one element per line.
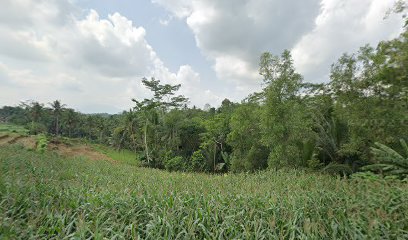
<point>43,196</point>
<point>11,128</point>
<point>123,155</point>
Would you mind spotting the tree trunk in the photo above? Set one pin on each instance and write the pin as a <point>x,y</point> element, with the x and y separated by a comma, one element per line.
<point>215,153</point>
<point>56,126</point>
<point>145,143</point>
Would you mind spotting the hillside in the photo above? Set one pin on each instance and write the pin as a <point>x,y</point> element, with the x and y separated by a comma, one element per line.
<point>55,197</point>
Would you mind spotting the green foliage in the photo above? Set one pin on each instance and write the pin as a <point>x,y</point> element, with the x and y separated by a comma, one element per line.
<point>57,109</point>
<point>152,112</point>
<point>198,162</point>
<point>389,162</point>
<point>314,162</point>
<point>42,143</point>
<point>121,155</point>
<point>255,159</point>
<point>366,176</point>
<point>37,128</point>
<point>11,128</point>
<point>174,164</point>
<point>370,89</point>
<point>338,169</point>
<point>248,154</point>
<point>284,122</point>
<point>51,197</point>
<point>214,139</point>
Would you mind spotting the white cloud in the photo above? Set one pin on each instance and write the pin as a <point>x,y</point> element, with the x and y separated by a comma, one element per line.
<point>54,51</point>
<point>234,33</point>
<point>343,26</point>
<point>51,49</point>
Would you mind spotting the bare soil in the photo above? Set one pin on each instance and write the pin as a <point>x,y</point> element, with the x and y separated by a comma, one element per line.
<point>78,151</point>
<point>27,141</point>
<point>63,149</point>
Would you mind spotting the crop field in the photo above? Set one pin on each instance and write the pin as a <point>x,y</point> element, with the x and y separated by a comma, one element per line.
<point>11,128</point>
<point>55,197</point>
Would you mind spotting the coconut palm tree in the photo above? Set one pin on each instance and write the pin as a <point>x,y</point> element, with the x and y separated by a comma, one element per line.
<point>71,120</point>
<point>57,109</point>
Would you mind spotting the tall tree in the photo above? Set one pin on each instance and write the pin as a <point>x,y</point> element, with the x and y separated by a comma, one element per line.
<point>248,153</point>
<point>370,89</point>
<point>152,109</point>
<point>283,120</point>
<point>57,109</point>
<point>71,119</point>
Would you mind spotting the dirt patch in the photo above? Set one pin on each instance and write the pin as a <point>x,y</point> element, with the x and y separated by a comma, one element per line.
<point>78,151</point>
<point>27,141</point>
<point>4,136</point>
<point>61,148</point>
<point>15,139</point>
<point>4,139</point>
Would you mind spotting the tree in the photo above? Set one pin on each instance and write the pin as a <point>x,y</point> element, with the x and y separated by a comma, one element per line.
<point>126,132</point>
<point>283,120</point>
<point>370,89</point>
<point>248,152</point>
<point>400,6</point>
<point>57,109</point>
<point>35,111</point>
<point>154,108</point>
<point>71,120</point>
<point>214,139</point>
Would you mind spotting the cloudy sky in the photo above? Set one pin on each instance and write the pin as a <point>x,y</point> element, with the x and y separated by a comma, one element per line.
<point>92,54</point>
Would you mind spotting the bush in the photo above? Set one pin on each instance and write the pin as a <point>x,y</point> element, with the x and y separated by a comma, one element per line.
<point>175,164</point>
<point>389,162</point>
<point>197,162</point>
<point>42,143</point>
<point>255,159</point>
<point>37,128</point>
<point>314,162</point>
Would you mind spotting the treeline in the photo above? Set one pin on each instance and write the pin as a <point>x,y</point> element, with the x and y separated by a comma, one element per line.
<point>290,123</point>
<point>56,119</point>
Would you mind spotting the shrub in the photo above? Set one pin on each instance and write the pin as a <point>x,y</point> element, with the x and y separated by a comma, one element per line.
<point>389,162</point>
<point>197,162</point>
<point>255,159</point>
<point>37,128</point>
<point>175,164</point>
<point>42,143</point>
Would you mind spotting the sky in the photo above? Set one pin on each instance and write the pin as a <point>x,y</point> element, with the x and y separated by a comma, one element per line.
<point>92,54</point>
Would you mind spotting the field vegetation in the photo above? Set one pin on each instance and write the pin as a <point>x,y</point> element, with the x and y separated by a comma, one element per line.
<point>55,197</point>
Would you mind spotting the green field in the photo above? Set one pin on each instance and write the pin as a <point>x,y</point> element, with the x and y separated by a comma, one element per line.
<point>45,196</point>
<point>122,155</point>
<point>11,128</point>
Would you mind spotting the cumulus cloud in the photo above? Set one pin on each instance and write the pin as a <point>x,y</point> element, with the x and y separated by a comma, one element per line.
<point>57,51</point>
<point>343,26</point>
<point>233,34</point>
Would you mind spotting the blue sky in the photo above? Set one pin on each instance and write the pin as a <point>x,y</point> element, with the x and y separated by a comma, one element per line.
<point>173,42</point>
<point>92,54</point>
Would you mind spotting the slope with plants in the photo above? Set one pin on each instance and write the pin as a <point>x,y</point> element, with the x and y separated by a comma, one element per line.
<point>46,196</point>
